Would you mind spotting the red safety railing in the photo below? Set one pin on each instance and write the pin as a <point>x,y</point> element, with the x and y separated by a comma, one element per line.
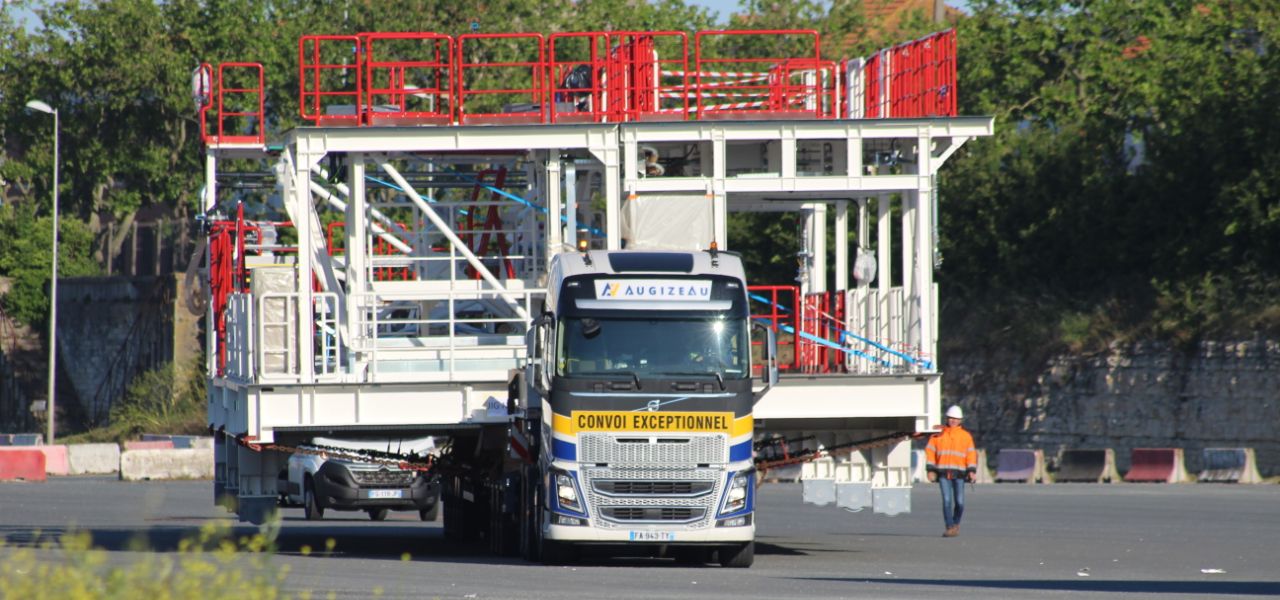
<point>513,78</point>
<point>822,319</point>
<point>759,84</point>
<point>775,306</point>
<point>490,232</point>
<point>330,79</point>
<point>335,244</point>
<point>227,275</point>
<point>648,76</point>
<point>235,96</point>
<point>230,242</point>
<point>577,64</point>
<point>500,78</point>
<point>408,78</point>
<point>911,80</point>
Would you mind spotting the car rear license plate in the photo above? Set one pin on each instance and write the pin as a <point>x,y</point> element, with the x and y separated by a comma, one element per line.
<point>386,493</point>
<point>653,536</point>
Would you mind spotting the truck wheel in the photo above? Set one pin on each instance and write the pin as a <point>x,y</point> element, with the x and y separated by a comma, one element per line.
<point>310,508</point>
<point>691,556</point>
<point>738,556</point>
<point>430,514</point>
<point>558,553</point>
<point>378,514</point>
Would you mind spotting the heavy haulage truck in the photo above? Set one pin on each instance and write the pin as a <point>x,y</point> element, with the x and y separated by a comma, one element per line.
<point>535,274</point>
<point>641,373</point>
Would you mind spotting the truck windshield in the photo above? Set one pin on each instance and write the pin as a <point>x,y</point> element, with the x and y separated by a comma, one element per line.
<point>648,348</point>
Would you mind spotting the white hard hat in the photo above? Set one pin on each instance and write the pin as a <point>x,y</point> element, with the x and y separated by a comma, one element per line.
<point>955,413</point>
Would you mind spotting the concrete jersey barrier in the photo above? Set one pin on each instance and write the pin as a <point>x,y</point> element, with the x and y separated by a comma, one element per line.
<point>93,459</point>
<point>141,465</point>
<point>149,445</point>
<point>55,460</point>
<point>984,473</point>
<point>1156,465</point>
<point>1020,466</point>
<point>24,464</point>
<point>1230,465</point>
<point>179,441</point>
<point>1091,466</point>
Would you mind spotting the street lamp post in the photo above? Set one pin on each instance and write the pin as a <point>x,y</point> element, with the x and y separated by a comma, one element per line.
<point>53,283</point>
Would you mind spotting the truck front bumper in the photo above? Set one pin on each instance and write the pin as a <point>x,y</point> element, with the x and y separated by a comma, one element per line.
<point>641,534</point>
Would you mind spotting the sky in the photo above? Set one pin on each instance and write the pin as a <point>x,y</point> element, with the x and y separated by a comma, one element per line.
<point>728,7</point>
<point>724,7</point>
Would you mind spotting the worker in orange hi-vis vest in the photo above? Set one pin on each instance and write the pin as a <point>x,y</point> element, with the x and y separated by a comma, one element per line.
<point>951,460</point>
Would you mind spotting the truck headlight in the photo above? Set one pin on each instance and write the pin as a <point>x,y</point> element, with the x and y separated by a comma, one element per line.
<point>567,492</point>
<point>736,499</point>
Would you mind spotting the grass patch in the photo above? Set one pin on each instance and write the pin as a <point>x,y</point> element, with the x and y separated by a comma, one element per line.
<point>168,399</point>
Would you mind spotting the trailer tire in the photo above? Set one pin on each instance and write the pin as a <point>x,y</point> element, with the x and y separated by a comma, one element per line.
<point>378,514</point>
<point>310,507</point>
<point>738,556</point>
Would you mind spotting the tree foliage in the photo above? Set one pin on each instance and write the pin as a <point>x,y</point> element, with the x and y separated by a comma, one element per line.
<point>1134,165</point>
<point>1133,173</point>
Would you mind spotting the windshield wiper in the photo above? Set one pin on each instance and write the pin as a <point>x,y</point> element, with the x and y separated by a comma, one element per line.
<point>632,374</point>
<point>716,374</point>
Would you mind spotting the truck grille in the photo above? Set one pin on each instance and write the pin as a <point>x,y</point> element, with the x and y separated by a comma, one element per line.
<point>653,488</point>
<point>383,477</point>
<point>623,497</point>
<point>623,450</point>
<point>666,514</point>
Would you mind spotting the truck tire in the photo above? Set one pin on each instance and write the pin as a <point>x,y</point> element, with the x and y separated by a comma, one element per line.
<point>430,514</point>
<point>738,556</point>
<point>558,553</point>
<point>310,508</point>
<point>378,514</point>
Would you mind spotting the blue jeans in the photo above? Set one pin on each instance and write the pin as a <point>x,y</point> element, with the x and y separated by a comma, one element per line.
<point>952,499</point>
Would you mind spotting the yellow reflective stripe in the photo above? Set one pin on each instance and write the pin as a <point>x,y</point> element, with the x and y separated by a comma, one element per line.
<point>645,421</point>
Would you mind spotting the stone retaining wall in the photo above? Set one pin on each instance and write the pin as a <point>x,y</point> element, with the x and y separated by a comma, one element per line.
<point>1140,395</point>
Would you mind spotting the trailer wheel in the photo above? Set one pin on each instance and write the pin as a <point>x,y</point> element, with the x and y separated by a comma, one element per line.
<point>310,508</point>
<point>739,556</point>
<point>378,514</point>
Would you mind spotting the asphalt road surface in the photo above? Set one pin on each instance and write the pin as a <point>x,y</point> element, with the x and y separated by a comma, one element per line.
<point>1064,540</point>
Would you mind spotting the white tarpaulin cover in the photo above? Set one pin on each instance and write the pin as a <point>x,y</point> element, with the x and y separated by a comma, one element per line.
<point>667,222</point>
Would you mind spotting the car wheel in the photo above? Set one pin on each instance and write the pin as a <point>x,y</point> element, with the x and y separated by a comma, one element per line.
<point>430,514</point>
<point>310,508</point>
<point>378,514</point>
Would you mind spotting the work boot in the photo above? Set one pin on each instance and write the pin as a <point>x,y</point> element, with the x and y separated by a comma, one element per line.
<point>951,532</point>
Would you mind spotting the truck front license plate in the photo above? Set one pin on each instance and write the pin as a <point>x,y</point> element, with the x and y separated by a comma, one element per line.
<point>653,536</point>
<point>386,493</point>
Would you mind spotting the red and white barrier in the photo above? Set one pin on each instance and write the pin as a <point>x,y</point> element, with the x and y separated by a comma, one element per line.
<point>22,464</point>
<point>55,460</point>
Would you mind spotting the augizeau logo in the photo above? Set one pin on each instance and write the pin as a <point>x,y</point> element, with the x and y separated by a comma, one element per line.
<point>654,289</point>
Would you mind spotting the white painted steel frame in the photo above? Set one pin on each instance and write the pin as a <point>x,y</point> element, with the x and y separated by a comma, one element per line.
<point>304,148</point>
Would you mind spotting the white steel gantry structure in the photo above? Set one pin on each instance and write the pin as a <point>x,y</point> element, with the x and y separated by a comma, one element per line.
<point>401,305</point>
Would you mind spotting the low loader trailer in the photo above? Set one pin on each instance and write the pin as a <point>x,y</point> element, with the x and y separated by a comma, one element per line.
<point>537,278</point>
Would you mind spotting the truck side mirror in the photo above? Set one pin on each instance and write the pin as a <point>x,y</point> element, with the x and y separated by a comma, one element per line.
<point>769,368</point>
<point>771,364</point>
<point>538,342</point>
